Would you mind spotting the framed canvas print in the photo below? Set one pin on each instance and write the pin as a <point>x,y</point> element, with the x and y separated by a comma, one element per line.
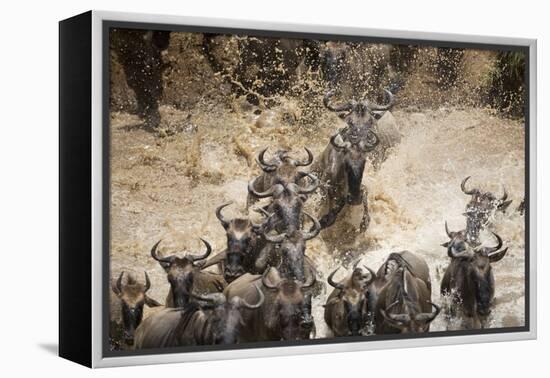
<point>235,189</point>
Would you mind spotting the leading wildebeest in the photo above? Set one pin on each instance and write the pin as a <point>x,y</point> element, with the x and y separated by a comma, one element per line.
<point>245,241</point>
<point>133,296</point>
<point>218,321</point>
<point>404,304</point>
<point>469,279</point>
<point>359,114</point>
<point>285,313</point>
<point>479,210</point>
<point>346,308</point>
<point>288,252</point>
<point>340,169</point>
<point>185,276</point>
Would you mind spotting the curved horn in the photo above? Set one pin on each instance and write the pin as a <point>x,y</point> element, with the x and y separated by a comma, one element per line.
<point>504,196</point>
<point>267,284</point>
<point>267,193</point>
<point>490,250</point>
<point>450,234</point>
<point>275,238</point>
<point>211,298</point>
<point>263,211</point>
<point>257,305</point>
<point>429,316</point>
<point>306,162</point>
<point>337,145</point>
<point>266,167</point>
<point>311,187</point>
<point>147,282</point>
<point>119,282</point>
<point>389,104</point>
<point>397,318</point>
<point>463,187</point>
<point>311,279</point>
<point>336,108</point>
<point>372,275</point>
<point>316,227</point>
<point>331,281</point>
<point>154,255</point>
<point>223,221</point>
<point>203,256</point>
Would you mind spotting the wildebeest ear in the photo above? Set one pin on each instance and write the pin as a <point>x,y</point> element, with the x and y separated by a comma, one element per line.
<point>164,265</point>
<point>446,245</point>
<point>150,302</point>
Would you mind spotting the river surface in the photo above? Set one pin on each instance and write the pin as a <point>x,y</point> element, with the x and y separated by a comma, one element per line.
<point>168,186</point>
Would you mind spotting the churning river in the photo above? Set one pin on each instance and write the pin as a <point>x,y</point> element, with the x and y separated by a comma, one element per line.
<point>168,187</point>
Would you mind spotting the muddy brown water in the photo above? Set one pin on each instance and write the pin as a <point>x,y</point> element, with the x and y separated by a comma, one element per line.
<point>168,188</point>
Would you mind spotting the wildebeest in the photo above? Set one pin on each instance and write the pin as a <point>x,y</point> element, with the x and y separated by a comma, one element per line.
<point>140,54</point>
<point>359,114</point>
<point>281,182</point>
<point>133,296</point>
<point>340,169</point>
<point>404,304</point>
<point>285,313</point>
<point>480,208</point>
<point>469,279</point>
<point>218,321</point>
<point>287,253</point>
<point>346,307</point>
<point>245,241</point>
<point>185,276</point>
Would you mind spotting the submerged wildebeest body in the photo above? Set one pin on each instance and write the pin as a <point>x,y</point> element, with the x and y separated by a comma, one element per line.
<point>404,304</point>
<point>281,182</point>
<point>479,210</point>
<point>469,278</point>
<point>389,287</point>
<point>340,169</point>
<point>245,241</point>
<point>285,313</point>
<point>346,307</point>
<point>140,54</point>
<point>218,321</point>
<point>133,297</point>
<point>185,276</point>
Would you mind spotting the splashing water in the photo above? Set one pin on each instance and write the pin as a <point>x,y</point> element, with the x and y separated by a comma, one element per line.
<point>168,188</point>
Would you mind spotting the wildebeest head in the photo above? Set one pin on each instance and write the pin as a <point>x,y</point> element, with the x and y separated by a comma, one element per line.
<point>225,315</point>
<point>363,113</point>
<point>288,199</point>
<point>405,313</point>
<point>243,238</point>
<point>292,247</point>
<point>180,272</point>
<point>290,310</point>
<point>283,165</point>
<point>473,265</point>
<point>133,296</point>
<point>353,295</point>
<point>481,206</point>
<point>353,149</point>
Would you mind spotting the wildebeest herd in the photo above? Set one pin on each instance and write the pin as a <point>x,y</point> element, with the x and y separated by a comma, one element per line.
<point>261,286</point>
